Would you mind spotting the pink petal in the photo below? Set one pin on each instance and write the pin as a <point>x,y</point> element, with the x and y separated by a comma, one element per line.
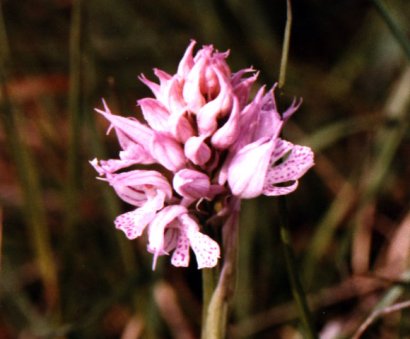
<point>248,121</point>
<point>180,257</point>
<point>292,109</point>
<point>127,223</point>
<point>226,135</point>
<point>214,190</point>
<point>281,148</point>
<point>191,184</point>
<point>133,186</point>
<point>155,114</point>
<point>137,154</point>
<point>99,168</point>
<point>222,175</point>
<point>160,91</point>
<point>247,170</point>
<point>171,235</point>
<point>179,125</point>
<point>154,87</point>
<point>107,167</point>
<point>291,169</point>
<point>191,90</point>
<point>187,61</point>
<point>163,77</point>
<point>242,87</point>
<point>129,131</point>
<point>157,229</point>
<point>197,150</point>
<point>218,108</point>
<point>206,250</point>
<point>210,81</point>
<point>168,152</point>
<point>133,223</point>
<point>269,122</point>
<point>279,190</point>
<point>175,101</point>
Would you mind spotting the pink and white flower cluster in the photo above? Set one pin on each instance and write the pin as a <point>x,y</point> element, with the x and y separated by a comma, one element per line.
<point>212,142</point>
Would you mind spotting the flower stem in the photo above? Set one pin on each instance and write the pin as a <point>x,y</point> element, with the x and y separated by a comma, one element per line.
<point>296,286</point>
<point>218,292</point>
<point>209,282</point>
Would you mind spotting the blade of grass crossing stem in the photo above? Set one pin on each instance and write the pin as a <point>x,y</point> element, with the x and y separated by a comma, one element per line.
<point>297,290</point>
<point>393,26</point>
<point>28,176</point>
<point>388,299</point>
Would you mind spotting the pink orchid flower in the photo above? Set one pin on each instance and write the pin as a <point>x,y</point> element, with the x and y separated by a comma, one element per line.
<point>211,143</point>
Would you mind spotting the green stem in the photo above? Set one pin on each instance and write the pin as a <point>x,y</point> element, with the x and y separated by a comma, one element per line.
<point>209,282</point>
<point>393,26</point>
<point>285,46</point>
<point>297,290</point>
<point>217,298</point>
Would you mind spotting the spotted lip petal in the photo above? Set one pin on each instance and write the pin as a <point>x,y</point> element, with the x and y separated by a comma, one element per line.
<point>297,163</point>
<point>180,257</point>
<point>133,223</point>
<point>207,251</point>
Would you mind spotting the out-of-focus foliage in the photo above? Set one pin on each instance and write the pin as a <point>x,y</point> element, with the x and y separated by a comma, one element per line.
<point>66,272</point>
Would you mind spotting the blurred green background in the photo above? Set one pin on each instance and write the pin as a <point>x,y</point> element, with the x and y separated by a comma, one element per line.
<point>67,273</point>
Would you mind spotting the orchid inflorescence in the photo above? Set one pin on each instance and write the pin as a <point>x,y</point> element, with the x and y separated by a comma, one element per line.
<point>212,144</point>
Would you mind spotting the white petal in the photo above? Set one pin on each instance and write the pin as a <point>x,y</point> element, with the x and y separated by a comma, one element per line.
<point>247,170</point>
